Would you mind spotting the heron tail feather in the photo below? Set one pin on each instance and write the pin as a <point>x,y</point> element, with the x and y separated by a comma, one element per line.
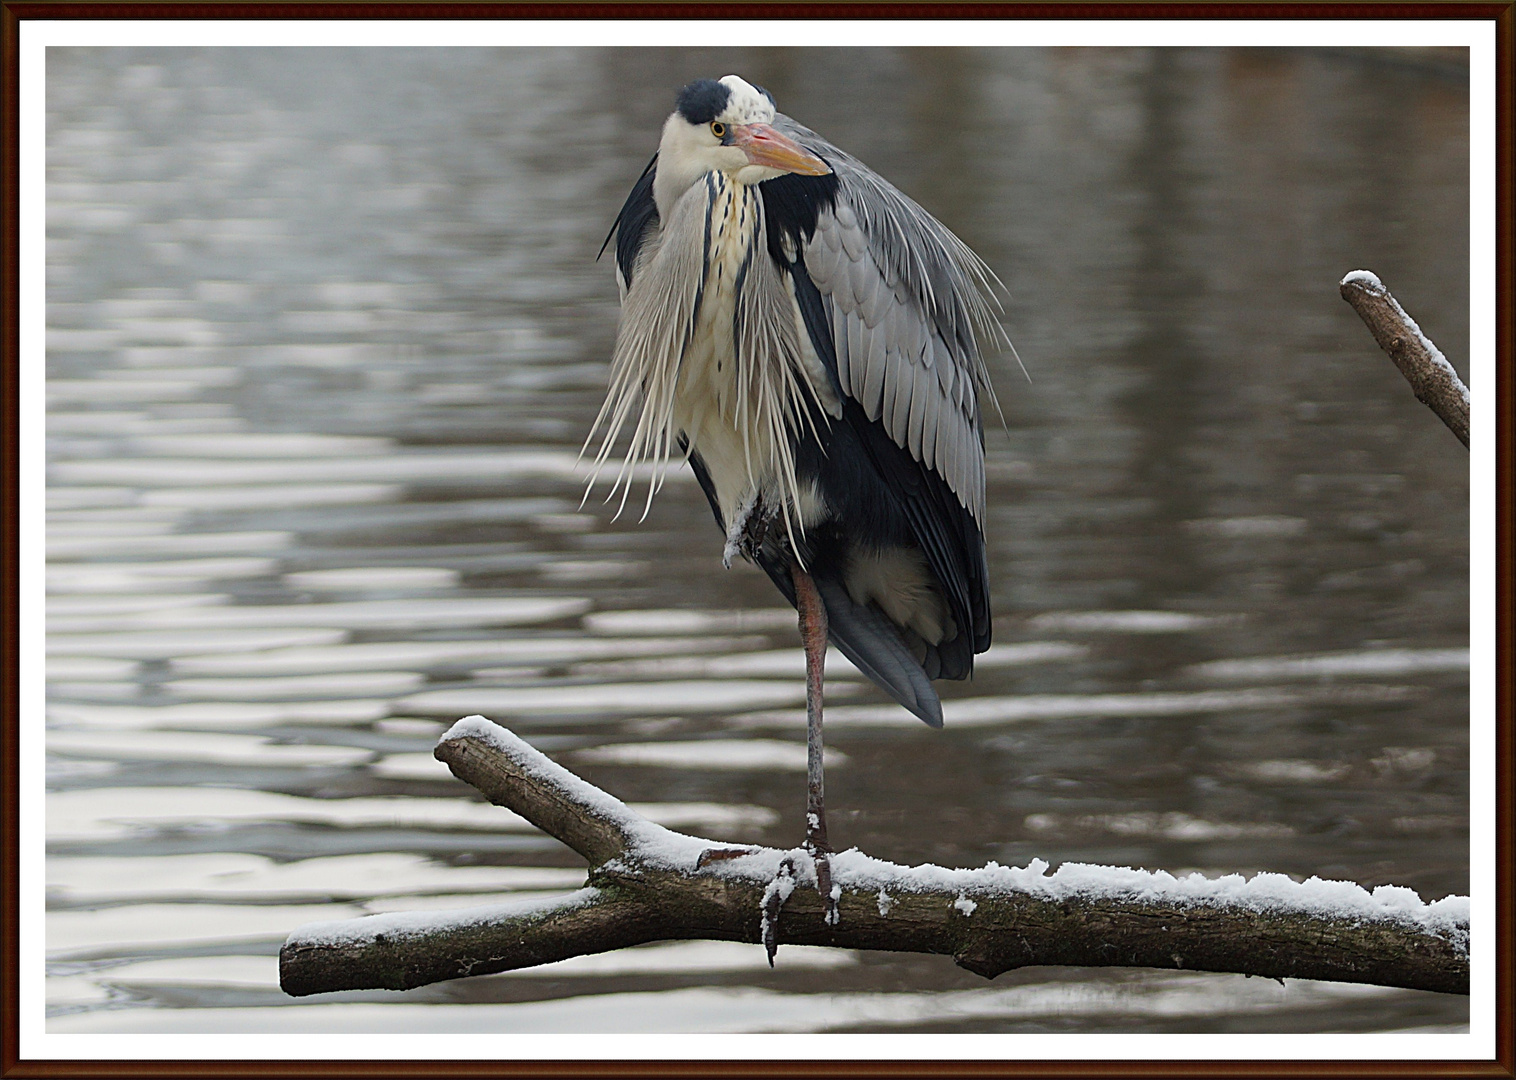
<point>867,638</point>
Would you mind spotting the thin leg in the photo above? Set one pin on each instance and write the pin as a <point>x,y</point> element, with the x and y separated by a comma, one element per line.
<point>813,635</point>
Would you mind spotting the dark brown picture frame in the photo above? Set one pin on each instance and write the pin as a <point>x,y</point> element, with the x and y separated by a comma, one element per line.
<point>15,13</point>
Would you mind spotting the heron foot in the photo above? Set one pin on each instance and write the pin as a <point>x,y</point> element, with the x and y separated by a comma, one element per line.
<point>830,893</point>
<point>745,535</point>
<point>774,896</point>
<point>783,885</point>
<point>820,852</point>
<point>820,848</point>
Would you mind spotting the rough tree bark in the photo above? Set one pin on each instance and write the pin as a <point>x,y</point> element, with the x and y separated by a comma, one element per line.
<point>647,883</point>
<point>1432,378</point>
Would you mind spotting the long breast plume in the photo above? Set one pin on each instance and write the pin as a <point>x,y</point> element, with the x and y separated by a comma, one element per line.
<point>773,379</point>
<point>657,321</point>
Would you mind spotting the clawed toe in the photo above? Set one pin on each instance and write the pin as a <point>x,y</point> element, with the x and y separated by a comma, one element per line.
<point>830,893</point>
<point>710,855</point>
<point>773,900</point>
<point>783,885</point>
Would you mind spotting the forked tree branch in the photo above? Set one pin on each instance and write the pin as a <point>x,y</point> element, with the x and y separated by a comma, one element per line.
<point>1432,378</point>
<point>647,883</point>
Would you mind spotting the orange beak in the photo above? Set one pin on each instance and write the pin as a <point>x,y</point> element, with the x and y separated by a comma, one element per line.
<point>765,146</point>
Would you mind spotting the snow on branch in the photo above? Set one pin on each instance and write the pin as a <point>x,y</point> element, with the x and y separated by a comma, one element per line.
<point>1432,378</point>
<point>648,883</point>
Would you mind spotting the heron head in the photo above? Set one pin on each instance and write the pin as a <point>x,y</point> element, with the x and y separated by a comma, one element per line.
<point>726,125</point>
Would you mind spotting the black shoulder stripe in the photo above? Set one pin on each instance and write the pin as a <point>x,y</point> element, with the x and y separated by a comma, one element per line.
<point>792,204</point>
<point>818,324</point>
<point>638,214</point>
<point>703,477</point>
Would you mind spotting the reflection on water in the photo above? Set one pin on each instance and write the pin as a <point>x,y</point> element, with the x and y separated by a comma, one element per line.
<point>325,330</point>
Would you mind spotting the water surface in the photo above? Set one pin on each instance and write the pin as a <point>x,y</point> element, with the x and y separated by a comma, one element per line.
<point>326,330</point>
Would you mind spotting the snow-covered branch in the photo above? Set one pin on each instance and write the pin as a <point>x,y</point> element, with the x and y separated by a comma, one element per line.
<point>648,883</point>
<point>1432,378</point>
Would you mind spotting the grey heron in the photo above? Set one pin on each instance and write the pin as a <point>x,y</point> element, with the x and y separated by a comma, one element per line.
<point>810,340</point>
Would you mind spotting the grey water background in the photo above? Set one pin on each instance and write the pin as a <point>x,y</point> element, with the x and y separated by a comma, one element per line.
<point>326,330</point>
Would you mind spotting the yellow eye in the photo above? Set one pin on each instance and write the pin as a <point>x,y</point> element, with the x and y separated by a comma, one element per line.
<point>718,129</point>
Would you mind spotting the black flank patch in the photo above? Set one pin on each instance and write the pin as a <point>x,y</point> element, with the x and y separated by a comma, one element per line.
<point>639,215</point>
<point>791,205</point>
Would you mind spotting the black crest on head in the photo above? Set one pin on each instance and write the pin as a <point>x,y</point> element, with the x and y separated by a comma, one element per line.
<point>702,101</point>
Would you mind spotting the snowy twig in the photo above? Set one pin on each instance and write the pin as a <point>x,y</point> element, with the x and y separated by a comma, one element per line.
<point>1432,378</point>
<point>647,883</point>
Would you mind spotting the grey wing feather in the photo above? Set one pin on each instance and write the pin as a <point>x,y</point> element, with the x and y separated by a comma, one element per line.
<point>916,424</point>
<point>905,389</point>
<point>839,335</point>
<point>906,295</point>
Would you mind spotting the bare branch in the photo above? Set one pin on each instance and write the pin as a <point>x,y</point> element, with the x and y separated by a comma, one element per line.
<point>1432,378</point>
<point>655,886</point>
